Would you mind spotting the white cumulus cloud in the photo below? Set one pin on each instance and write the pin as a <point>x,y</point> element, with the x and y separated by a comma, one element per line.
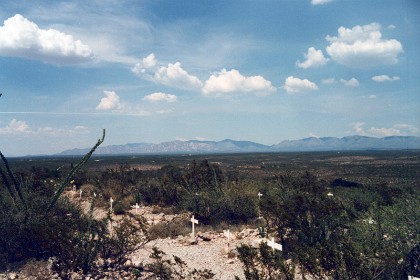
<point>363,46</point>
<point>353,82</point>
<point>144,67</point>
<point>314,58</point>
<point>320,2</point>
<point>295,85</point>
<point>172,75</point>
<point>233,81</point>
<point>15,127</point>
<point>328,81</point>
<point>160,96</point>
<point>22,38</point>
<point>395,130</point>
<point>109,102</point>
<point>175,76</point>
<point>385,78</point>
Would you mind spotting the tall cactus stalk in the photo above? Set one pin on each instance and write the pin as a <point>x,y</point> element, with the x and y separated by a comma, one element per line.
<point>72,172</point>
<point>12,177</point>
<point>7,183</point>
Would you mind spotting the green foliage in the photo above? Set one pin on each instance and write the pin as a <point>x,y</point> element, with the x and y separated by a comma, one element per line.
<point>200,188</point>
<point>72,172</point>
<point>329,236</point>
<point>264,264</point>
<point>37,222</point>
<point>129,234</point>
<point>172,229</point>
<point>120,207</point>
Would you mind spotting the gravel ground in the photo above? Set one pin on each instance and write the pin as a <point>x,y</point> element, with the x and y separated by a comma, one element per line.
<point>203,255</point>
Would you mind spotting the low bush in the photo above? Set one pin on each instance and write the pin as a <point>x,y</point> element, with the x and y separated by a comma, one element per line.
<point>37,222</point>
<point>172,229</point>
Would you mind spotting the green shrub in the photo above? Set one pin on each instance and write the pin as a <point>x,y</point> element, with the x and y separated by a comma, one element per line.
<point>172,229</point>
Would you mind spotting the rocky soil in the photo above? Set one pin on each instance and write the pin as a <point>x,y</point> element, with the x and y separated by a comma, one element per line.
<point>207,250</point>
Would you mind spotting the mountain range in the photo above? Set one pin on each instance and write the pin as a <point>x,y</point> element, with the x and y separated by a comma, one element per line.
<point>349,143</point>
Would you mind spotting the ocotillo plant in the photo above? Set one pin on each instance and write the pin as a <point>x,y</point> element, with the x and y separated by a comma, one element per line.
<point>72,172</point>
<point>12,177</point>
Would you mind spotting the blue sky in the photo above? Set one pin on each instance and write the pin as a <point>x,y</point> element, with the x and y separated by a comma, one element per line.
<point>155,71</point>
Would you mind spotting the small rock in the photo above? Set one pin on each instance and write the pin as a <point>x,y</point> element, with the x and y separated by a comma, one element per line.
<point>193,241</point>
<point>128,263</point>
<point>137,264</point>
<point>13,276</point>
<point>205,237</point>
<point>233,253</point>
<point>230,261</point>
<point>75,276</point>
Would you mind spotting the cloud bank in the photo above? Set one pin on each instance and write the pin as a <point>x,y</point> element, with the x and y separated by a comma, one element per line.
<point>20,37</point>
<point>15,127</point>
<point>395,130</point>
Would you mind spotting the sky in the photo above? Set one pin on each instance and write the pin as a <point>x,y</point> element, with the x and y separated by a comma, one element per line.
<point>151,71</point>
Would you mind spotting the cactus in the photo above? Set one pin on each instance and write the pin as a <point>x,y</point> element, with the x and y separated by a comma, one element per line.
<point>12,177</point>
<point>72,172</point>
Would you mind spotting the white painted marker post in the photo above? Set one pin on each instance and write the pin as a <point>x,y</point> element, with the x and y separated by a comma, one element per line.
<point>274,245</point>
<point>226,233</point>
<point>193,221</point>
<point>259,211</point>
<point>111,201</point>
<point>80,194</point>
<point>137,207</point>
<point>259,195</point>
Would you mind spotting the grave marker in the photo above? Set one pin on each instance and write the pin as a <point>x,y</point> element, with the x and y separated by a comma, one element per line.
<point>136,207</point>
<point>193,221</point>
<point>111,201</point>
<point>259,211</point>
<point>226,233</point>
<point>274,245</point>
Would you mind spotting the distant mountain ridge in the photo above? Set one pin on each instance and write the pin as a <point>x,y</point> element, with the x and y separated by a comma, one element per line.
<point>349,143</point>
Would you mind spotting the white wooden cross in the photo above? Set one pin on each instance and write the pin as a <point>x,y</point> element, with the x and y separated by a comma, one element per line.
<point>226,233</point>
<point>274,245</point>
<point>259,198</point>
<point>193,221</point>
<point>136,207</point>
<point>330,194</point>
<point>111,201</point>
